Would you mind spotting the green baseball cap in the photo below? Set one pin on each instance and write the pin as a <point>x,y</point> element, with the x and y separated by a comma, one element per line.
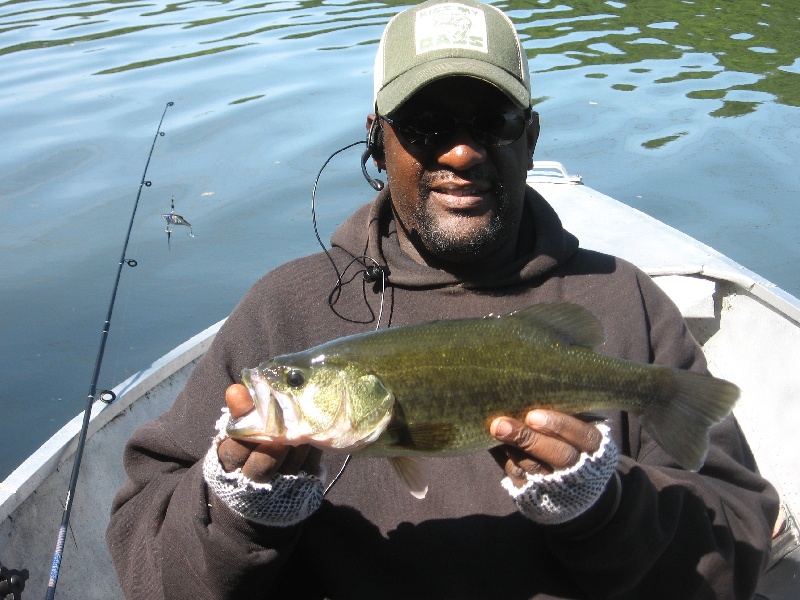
<point>442,38</point>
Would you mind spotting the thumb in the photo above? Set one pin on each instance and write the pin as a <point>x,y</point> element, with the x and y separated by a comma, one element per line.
<point>238,399</point>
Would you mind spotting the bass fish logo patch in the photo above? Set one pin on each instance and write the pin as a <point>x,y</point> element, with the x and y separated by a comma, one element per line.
<point>446,26</point>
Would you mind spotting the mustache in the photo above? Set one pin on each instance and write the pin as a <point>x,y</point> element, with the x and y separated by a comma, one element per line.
<point>479,173</point>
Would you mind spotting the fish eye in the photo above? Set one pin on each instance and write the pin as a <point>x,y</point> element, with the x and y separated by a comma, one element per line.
<point>295,379</point>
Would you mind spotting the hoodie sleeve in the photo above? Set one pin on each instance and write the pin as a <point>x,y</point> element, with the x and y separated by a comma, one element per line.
<point>712,527</point>
<point>169,536</point>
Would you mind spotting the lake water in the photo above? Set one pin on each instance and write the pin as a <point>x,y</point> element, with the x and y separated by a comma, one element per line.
<point>687,110</point>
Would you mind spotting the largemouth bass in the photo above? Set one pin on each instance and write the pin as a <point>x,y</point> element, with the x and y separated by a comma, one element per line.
<point>434,388</point>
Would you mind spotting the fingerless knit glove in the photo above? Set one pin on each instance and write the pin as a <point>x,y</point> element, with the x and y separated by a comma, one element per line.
<point>564,495</point>
<point>285,500</point>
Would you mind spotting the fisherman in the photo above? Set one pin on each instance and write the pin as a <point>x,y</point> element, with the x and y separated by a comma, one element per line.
<point>574,510</point>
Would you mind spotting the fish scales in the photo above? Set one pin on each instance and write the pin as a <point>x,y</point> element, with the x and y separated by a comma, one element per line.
<point>484,369</point>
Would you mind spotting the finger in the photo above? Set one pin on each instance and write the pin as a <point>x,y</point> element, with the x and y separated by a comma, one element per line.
<point>301,458</point>
<point>517,465</point>
<point>234,453</point>
<point>238,399</point>
<point>541,447</point>
<point>521,463</point>
<point>264,461</point>
<point>294,460</point>
<point>579,434</point>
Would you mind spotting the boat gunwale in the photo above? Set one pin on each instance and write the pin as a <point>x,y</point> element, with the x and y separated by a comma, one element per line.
<point>46,460</point>
<point>714,265</point>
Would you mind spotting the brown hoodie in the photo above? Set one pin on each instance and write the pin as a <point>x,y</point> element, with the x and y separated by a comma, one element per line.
<point>675,534</point>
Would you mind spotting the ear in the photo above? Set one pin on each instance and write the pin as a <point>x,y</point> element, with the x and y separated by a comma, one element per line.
<point>532,136</point>
<point>375,141</point>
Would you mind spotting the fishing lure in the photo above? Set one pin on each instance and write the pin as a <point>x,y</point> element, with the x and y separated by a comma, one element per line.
<point>172,219</point>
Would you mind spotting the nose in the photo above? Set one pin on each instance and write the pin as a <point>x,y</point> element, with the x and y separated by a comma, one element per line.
<point>462,152</point>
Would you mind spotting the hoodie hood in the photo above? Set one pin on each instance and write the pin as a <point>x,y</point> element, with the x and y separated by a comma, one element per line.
<point>372,231</point>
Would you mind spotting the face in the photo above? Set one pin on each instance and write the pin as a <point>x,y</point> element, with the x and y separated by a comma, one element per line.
<point>459,201</point>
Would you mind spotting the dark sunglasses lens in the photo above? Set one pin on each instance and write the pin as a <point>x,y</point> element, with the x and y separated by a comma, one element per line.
<point>427,127</point>
<point>498,129</point>
<point>493,129</point>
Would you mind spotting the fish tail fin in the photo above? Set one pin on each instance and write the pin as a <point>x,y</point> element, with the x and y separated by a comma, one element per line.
<point>681,422</point>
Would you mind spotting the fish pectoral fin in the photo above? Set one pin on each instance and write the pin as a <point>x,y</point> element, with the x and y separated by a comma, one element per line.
<point>431,437</point>
<point>413,472</point>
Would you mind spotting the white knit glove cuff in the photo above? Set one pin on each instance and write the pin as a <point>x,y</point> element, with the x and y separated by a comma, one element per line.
<point>564,495</point>
<point>285,500</point>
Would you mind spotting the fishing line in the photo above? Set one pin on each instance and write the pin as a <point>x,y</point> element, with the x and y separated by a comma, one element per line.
<point>338,475</point>
<point>370,273</point>
<point>73,482</point>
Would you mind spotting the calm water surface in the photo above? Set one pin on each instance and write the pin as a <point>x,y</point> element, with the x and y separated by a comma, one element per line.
<point>687,110</point>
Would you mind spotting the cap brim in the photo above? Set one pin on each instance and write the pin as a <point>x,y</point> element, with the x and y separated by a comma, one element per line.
<point>394,94</point>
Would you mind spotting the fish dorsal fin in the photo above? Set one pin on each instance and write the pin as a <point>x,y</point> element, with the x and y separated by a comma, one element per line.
<point>570,323</point>
<point>413,471</point>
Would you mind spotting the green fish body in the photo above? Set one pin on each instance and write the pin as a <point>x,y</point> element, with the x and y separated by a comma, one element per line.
<point>434,388</point>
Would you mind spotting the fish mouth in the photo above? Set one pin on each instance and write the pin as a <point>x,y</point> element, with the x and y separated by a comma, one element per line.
<point>274,417</point>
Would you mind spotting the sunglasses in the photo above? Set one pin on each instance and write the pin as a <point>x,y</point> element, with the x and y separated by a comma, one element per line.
<point>432,128</point>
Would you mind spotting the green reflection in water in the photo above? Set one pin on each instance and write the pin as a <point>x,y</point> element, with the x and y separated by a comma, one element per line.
<point>746,36</point>
<point>50,43</point>
<point>657,143</point>
<point>166,59</point>
<point>688,75</point>
<point>734,108</point>
<point>81,24</point>
<point>243,100</point>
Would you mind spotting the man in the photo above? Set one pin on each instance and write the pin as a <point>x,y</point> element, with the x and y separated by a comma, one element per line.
<point>583,512</point>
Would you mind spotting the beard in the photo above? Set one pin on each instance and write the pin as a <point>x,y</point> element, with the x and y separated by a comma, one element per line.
<point>461,238</point>
<point>455,241</point>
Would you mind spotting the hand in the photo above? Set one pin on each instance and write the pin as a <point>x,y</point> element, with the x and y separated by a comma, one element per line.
<point>260,461</point>
<point>547,441</point>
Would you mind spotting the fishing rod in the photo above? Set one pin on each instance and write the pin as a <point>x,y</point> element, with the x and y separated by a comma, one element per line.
<point>73,482</point>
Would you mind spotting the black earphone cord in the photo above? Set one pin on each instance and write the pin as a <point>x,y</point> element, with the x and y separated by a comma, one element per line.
<point>372,272</point>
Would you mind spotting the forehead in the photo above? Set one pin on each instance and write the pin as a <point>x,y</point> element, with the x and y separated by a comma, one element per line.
<point>458,95</point>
